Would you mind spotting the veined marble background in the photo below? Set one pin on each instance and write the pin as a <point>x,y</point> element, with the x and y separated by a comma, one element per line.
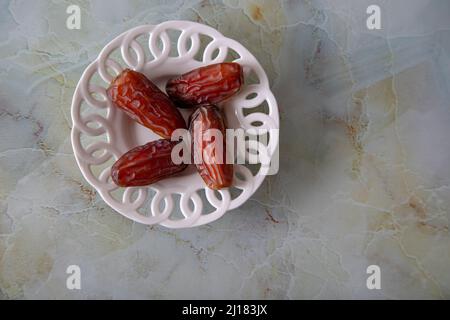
<point>364,174</point>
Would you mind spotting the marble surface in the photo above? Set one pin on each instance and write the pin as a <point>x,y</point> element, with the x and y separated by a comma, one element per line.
<point>364,158</point>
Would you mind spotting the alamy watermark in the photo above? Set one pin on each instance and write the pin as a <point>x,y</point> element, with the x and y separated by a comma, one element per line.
<point>373,21</point>
<point>374,280</point>
<point>73,21</point>
<point>73,281</point>
<point>238,146</point>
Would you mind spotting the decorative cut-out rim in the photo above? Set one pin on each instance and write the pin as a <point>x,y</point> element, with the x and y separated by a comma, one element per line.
<point>143,204</point>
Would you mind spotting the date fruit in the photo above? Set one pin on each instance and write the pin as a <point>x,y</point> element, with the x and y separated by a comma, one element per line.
<point>146,164</point>
<point>208,132</point>
<point>206,85</point>
<point>142,100</point>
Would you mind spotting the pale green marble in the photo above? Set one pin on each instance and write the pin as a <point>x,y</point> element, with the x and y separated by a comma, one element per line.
<point>364,174</point>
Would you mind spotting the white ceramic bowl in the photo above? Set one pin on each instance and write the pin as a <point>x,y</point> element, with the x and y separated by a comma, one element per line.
<point>102,133</point>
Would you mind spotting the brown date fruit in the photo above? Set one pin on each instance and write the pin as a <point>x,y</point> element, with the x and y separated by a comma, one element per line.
<point>206,85</point>
<point>142,100</point>
<point>210,161</point>
<point>146,164</point>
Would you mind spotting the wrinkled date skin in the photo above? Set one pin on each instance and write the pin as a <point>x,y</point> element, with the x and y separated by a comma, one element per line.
<point>142,100</point>
<point>210,161</point>
<point>206,85</point>
<point>146,164</point>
